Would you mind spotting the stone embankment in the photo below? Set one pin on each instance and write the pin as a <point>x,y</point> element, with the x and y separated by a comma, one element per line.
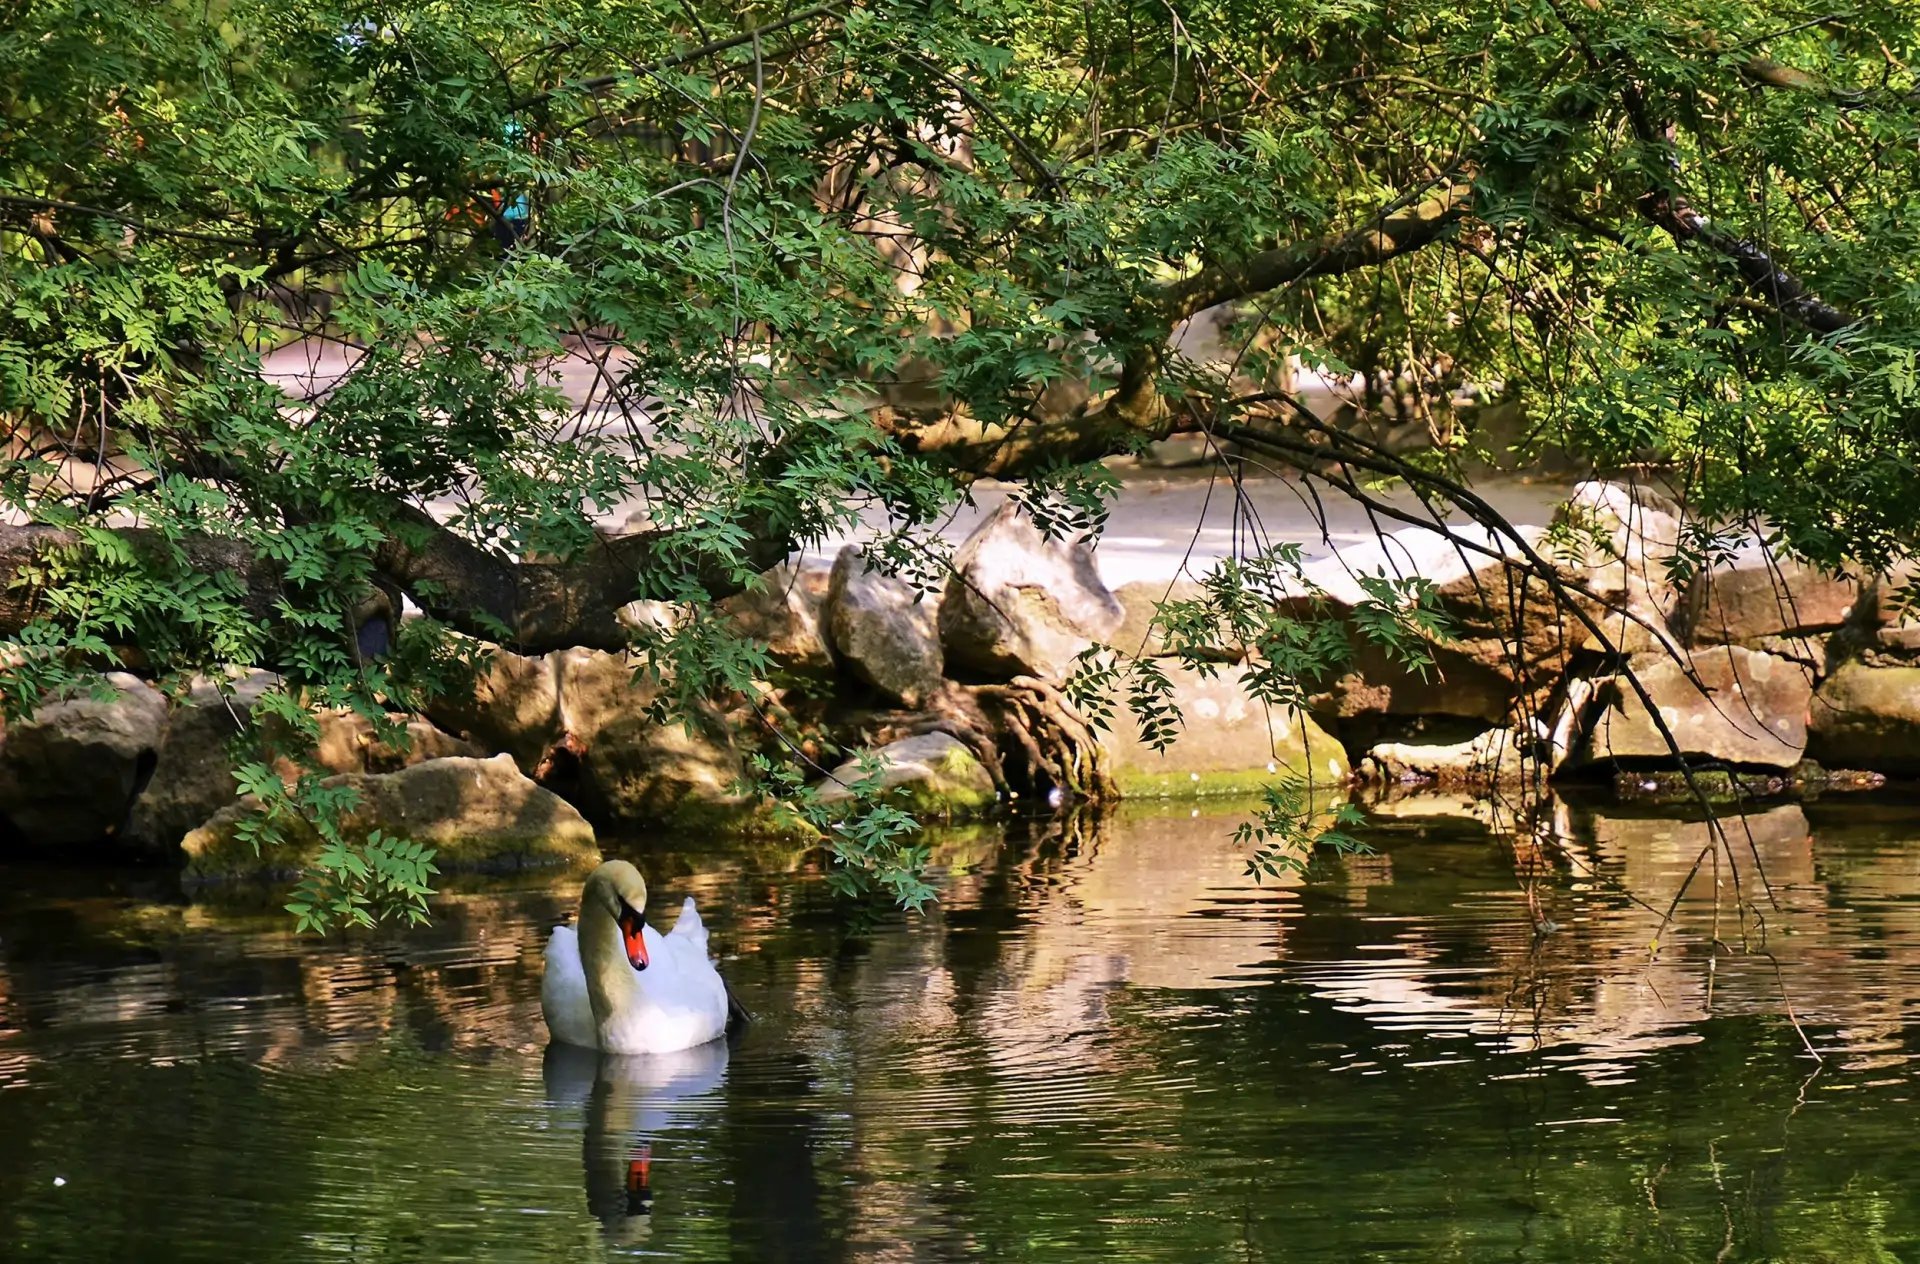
<point>1571,653</point>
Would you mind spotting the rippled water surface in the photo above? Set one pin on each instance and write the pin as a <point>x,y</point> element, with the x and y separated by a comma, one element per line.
<point>1106,1043</point>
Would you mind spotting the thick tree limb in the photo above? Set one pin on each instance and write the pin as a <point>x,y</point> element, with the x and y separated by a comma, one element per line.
<point>41,205</point>
<point>1136,411</point>
<point>543,605</point>
<point>1769,73</point>
<point>24,549</point>
<point>1768,279</point>
<point>963,442</point>
<point>532,607</point>
<point>1365,247</point>
<point>1664,207</point>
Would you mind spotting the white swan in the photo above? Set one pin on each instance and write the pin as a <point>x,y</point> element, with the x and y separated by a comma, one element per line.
<point>615,984</point>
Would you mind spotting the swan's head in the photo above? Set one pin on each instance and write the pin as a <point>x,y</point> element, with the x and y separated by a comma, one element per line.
<point>618,888</point>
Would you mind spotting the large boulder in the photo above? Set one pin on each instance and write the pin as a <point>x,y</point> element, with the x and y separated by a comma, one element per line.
<point>514,707</point>
<point>193,777</point>
<point>537,708</point>
<point>349,743</point>
<point>1230,742</point>
<point>1746,708</point>
<point>476,813</point>
<point>1496,757</point>
<point>1506,648</point>
<point>1867,718</point>
<point>783,610</point>
<point>593,689</point>
<point>1138,634</point>
<point>71,773</point>
<point>1891,645</point>
<point>932,775</point>
<point>883,629</point>
<point>1754,594</point>
<point>1019,604</point>
<point>636,770</point>
<point>1619,540</point>
<point>1881,631</point>
<point>580,723</point>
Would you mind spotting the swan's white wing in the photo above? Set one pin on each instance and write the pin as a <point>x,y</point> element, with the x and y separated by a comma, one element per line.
<point>697,983</point>
<point>563,992</point>
<point>682,1002</point>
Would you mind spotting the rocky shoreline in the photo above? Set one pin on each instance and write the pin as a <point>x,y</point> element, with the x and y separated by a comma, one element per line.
<point>1771,679</point>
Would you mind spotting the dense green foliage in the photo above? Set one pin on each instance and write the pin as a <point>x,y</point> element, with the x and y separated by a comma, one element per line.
<point>1685,232</point>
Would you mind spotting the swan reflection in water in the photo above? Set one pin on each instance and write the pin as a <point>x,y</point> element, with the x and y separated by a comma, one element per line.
<point>629,1101</point>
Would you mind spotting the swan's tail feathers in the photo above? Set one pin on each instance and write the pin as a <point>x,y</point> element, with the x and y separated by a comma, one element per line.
<point>738,1015</point>
<point>689,926</point>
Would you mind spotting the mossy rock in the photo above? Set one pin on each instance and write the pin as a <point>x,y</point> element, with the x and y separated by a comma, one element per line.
<point>478,814</point>
<point>1867,717</point>
<point>934,776</point>
<point>742,820</point>
<point>1805,780</point>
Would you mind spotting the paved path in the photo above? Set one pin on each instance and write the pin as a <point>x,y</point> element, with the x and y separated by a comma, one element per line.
<point>1163,522</point>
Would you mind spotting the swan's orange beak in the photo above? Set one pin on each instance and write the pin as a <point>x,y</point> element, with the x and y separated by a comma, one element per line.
<point>631,926</point>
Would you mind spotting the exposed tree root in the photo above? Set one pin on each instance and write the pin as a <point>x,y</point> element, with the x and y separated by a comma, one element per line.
<point>1061,751</point>
<point>1026,734</point>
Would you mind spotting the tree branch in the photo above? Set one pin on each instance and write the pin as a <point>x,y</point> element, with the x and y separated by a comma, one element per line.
<point>26,548</point>
<point>133,222</point>
<point>601,82</point>
<point>1135,412</point>
<point>1387,237</point>
<point>1787,293</point>
<point>545,605</point>
<point>532,607</point>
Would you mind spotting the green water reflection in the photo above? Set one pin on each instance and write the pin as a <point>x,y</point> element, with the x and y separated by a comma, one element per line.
<point>1106,1043</point>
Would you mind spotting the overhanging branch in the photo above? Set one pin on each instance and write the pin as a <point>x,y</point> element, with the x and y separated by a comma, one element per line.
<point>1788,294</point>
<point>1135,411</point>
<point>1367,246</point>
<point>548,605</point>
<point>531,606</point>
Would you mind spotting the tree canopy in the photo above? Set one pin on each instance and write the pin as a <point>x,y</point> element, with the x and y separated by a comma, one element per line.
<point>849,259</point>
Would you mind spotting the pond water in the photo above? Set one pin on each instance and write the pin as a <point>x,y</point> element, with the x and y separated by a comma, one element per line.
<point>1105,1043</point>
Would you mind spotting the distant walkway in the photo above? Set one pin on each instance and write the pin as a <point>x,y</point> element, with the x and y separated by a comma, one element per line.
<point>1164,519</point>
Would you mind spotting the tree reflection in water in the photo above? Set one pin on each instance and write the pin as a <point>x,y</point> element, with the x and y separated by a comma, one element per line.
<point>1105,1043</point>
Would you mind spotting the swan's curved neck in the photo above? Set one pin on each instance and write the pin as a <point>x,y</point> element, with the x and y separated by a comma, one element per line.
<point>612,986</point>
